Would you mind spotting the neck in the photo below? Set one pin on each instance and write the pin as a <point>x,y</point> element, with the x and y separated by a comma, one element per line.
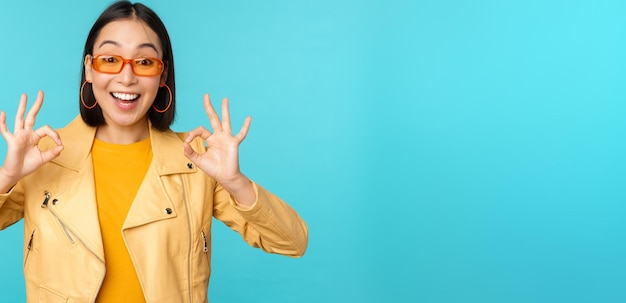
<point>123,134</point>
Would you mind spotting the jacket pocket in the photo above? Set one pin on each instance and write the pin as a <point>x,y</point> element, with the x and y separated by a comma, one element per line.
<point>205,247</point>
<point>47,295</point>
<point>29,248</point>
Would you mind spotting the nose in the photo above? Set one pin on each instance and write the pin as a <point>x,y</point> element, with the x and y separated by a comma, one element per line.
<point>126,76</point>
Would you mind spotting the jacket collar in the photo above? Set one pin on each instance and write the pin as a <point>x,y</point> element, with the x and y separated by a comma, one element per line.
<point>167,152</point>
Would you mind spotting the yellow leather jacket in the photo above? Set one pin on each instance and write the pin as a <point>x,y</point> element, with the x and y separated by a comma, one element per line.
<point>167,230</point>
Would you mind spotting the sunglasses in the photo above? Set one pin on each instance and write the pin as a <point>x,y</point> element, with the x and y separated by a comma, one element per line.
<point>112,64</point>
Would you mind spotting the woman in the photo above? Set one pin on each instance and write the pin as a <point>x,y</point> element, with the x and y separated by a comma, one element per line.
<point>116,206</point>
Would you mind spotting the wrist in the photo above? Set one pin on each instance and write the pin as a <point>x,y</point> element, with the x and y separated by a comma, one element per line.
<point>236,184</point>
<point>241,189</point>
<point>6,183</point>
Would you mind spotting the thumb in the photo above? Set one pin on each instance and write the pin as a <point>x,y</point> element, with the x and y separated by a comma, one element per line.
<point>51,153</point>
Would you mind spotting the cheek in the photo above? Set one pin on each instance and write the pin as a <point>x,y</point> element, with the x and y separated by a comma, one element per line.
<point>100,80</point>
<point>152,85</point>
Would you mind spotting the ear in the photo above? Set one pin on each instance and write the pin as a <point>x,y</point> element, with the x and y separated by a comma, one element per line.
<point>164,74</point>
<point>88,68</point>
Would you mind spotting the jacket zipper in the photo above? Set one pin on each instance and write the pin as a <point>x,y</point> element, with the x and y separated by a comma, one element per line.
<point>206,246</point>
<point>63,226</point>
<point>44,204</point>
<point>182,182</point>
<point>29,247</point>
<point>67,233</point>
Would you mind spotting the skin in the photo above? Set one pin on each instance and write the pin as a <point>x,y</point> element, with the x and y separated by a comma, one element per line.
<point>127,122</point>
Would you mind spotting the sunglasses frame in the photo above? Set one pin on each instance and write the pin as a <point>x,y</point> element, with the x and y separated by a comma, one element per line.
<point>124,62</point>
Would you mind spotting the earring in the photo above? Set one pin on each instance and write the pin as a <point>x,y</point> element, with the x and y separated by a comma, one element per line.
<point>81,97</point>
<point>168,105</point>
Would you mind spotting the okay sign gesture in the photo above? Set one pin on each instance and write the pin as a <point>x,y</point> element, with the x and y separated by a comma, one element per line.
<point>23,155</point>
<point>221,159</point>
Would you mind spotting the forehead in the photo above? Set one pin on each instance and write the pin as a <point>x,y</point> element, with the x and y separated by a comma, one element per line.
<point>127,35</point>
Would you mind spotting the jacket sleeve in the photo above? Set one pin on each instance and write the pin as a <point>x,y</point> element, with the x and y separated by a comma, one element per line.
<point>12,206</point>
<point>269,224</point>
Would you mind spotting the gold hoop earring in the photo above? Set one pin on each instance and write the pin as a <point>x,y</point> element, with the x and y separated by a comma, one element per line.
<point>81,97</point>
<point>168,105</point>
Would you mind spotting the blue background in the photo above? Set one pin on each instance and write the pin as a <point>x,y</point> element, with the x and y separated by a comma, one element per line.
<point>440,151</point>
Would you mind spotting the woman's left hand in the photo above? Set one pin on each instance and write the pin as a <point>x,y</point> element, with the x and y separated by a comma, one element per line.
<point>221,159</point>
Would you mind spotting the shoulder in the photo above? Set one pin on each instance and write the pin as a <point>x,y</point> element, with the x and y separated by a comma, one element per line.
<point>75,133</point>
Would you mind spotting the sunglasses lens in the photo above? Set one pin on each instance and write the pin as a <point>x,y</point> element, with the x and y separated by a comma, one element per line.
<point>147,66</point>
<point>108,64</point>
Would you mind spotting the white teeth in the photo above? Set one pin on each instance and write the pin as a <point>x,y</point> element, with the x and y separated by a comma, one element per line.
<point>125,97</point>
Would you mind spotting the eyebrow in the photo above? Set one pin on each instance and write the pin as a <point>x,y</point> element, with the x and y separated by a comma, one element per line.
<point>143,45</point>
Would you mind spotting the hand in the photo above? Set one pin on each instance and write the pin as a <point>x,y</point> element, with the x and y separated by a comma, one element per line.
<point>221,159</point>
<point>23,155</point>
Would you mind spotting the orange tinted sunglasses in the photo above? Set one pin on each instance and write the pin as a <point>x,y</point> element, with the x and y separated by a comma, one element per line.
<point>112,64</point>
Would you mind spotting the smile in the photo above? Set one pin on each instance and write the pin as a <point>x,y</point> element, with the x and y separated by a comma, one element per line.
<point>125,96</point>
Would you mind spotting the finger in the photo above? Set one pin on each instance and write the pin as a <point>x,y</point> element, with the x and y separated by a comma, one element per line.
<point>51,153</point>
<point>4,130</point>
<point>19,116</point>
<point>34,110</point>
<point>198,132</point>
<point>3,125</point>
<point>226,116</point>
<point>48,131</point>
<point>190,153</point>
<point>244,129</point>
<point>213,118</point>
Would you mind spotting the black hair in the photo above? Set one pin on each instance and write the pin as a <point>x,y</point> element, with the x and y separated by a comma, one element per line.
<point>127,10</point>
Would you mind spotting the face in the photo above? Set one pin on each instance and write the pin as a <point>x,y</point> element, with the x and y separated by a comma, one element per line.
<point>125,98</point>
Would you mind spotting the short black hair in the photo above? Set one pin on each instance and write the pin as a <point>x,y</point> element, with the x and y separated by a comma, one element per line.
<point>127,10</point>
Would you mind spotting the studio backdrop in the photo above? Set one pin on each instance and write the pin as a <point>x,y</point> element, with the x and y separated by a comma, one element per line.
<point>439,151</point>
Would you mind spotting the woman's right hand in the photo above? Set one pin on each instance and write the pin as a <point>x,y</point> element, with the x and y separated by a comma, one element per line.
<point>23,155</point>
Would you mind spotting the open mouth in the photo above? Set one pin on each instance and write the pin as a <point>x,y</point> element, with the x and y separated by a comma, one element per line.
<point>125,97</point>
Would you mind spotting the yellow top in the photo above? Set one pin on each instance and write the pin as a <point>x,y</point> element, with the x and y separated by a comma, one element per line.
<point>118,171</point>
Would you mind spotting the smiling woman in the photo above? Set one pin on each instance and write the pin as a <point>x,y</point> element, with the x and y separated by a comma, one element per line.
<point>124,95</point>
<point>125,33</point>
<point>130,200</point>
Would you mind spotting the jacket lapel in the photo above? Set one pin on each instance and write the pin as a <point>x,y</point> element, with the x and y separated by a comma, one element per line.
<point>161,191</point>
